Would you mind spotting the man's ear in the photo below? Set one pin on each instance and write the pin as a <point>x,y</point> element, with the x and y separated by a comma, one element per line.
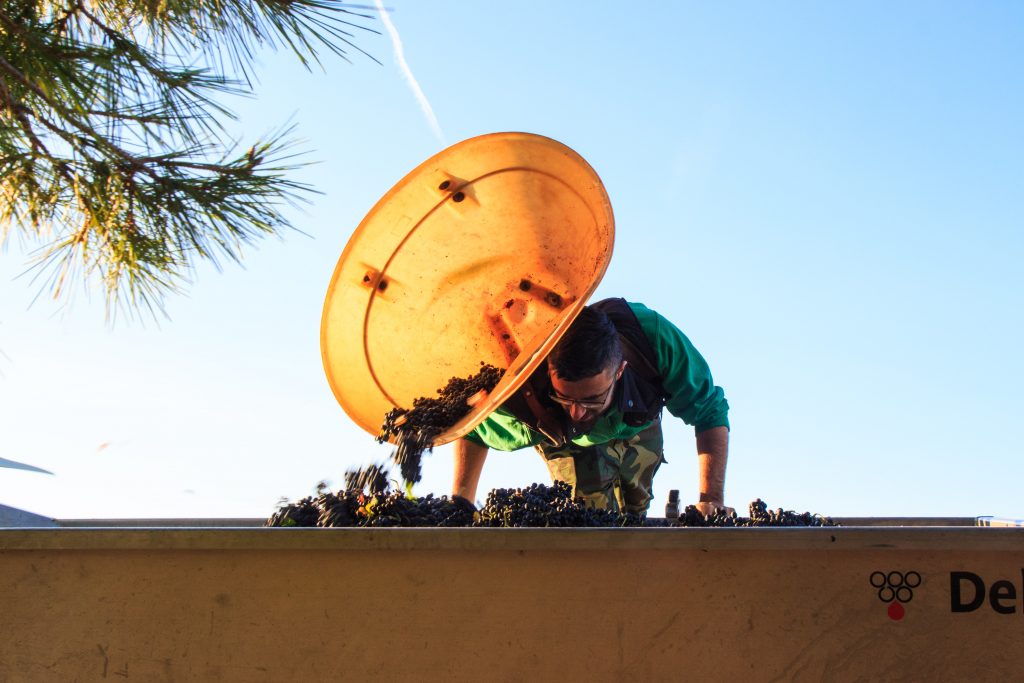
<point>622,368</point>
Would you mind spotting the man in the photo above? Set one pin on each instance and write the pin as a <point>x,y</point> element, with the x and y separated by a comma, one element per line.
<point>593,411</point>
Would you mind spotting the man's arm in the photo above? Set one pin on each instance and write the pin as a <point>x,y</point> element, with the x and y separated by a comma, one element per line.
<point>712,455</point>
<point>469,462</point>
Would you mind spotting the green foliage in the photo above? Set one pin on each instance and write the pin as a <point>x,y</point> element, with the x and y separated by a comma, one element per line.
<point>112,152</point>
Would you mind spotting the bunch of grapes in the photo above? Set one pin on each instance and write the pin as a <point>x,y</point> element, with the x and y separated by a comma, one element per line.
<point>539,505</point>
<point>415,429</point>
<point>338,509</point>
<point>323,509</point>
<point>397,509</point>
<point>760,515</point>
<point>301,513</point>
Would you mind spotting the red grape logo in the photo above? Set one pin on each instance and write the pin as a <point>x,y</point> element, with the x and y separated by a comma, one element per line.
<point>896,589</point>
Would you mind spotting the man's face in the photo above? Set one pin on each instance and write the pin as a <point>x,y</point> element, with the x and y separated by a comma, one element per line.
<point>585,399</point>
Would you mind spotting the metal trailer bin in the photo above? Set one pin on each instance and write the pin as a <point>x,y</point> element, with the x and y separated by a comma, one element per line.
<point>854,603</point>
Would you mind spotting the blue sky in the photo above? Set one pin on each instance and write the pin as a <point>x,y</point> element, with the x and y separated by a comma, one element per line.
<point>825,197</point>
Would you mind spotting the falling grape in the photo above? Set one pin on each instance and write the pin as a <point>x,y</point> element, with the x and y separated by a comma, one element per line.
<point>414,430</point>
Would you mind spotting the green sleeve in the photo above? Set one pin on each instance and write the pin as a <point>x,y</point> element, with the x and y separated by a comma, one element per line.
<point>686,377</point>
<point>502,432</point>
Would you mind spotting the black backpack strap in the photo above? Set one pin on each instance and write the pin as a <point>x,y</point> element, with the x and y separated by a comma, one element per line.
<point>636,347</point>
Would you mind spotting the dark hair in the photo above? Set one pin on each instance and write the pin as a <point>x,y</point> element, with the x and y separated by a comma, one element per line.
<point>590,346</point>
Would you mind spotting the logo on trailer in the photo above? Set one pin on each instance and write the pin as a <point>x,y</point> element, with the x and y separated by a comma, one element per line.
<point>895,589</point>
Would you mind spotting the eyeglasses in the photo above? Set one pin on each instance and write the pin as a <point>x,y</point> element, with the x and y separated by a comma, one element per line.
<point>596,404</point>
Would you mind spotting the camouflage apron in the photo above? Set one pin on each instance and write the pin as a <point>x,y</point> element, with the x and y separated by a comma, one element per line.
<point>617,475</point>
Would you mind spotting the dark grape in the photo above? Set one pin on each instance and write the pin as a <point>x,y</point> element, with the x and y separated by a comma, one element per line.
<point>415,429</point>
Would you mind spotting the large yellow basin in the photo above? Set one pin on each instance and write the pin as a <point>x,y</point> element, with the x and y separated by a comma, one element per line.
<point>484,253</point>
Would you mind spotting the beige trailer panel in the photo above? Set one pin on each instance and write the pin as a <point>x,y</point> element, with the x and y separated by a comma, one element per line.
<point>479,604</point>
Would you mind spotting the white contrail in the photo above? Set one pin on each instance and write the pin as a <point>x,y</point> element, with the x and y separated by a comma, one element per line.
<point>396,41</point>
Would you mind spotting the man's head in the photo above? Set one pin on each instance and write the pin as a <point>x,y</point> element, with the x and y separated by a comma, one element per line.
<point>585,364</point>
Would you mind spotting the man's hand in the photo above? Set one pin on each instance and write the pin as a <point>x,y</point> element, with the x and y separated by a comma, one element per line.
<point>464,504</point>
<point>708,508</point>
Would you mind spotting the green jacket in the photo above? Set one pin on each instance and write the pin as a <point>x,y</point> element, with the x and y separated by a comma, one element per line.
<point>685,376</point>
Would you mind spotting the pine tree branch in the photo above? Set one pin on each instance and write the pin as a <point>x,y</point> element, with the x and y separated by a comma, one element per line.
<point>110,137</point>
